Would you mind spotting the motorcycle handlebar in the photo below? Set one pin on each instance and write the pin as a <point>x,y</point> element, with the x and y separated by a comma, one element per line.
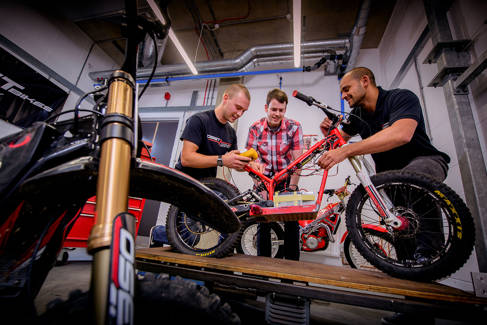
<point>311,101</point>
<point>307,99</point>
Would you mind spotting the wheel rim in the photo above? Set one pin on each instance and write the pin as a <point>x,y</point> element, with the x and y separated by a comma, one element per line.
<point>196,235</point>
<point>249,241</point>
<point>421,209</point>
<point>381,244</point>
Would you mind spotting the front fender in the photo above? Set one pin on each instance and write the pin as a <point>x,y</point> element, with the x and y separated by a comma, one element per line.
<point>366,226</point>
<point>148,180</point>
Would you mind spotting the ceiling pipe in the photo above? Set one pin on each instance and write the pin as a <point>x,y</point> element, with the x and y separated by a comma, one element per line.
<point>228,65</point>
<point>281,60</point>
<point>358,33</point>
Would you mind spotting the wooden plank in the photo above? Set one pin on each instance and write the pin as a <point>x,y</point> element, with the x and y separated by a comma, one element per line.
<point>342,277</point>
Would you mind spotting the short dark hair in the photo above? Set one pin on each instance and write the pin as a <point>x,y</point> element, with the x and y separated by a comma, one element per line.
<point>278,95</point>
<point>358,72</point>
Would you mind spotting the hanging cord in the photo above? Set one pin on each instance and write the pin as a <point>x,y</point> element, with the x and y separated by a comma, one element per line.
<point>78,103</point>
<point>199,42</point>
<point>151,34</point>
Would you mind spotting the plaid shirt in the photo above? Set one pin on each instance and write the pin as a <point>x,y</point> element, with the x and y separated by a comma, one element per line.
<point>274,147</point>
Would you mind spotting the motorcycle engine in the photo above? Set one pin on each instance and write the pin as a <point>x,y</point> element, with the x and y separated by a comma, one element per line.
<point>313,243</point>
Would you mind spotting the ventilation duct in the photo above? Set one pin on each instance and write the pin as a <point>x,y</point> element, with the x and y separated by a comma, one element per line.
<point>358,33</point>
<point>270,54</point>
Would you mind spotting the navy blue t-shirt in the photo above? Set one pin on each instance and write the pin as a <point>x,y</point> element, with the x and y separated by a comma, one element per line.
<point>393,105</point>
<point>211,137</point>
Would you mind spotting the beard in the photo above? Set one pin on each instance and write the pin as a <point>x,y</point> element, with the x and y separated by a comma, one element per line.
<point>358,102</point>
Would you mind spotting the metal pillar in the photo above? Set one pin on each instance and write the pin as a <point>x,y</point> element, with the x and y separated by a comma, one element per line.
<point>452,60</point>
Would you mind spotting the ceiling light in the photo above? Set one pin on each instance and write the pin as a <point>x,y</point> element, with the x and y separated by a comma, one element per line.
<point>173,37</point>
<point>297,32</point>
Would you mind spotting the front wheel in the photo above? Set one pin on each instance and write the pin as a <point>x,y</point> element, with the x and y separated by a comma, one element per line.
<point>438,233</point>
<point>171,300</point>
<point>194,237</point>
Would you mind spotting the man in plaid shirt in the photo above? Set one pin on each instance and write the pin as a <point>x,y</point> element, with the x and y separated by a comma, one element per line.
<point>279,141</point>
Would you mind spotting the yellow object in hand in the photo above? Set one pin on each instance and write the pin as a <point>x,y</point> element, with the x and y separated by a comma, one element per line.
<point>251,153</point>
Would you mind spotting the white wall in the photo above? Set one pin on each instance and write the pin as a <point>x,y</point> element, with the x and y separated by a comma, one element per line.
<point>406,24</point>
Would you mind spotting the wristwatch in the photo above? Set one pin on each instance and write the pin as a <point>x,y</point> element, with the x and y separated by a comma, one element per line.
<point>219,161</point>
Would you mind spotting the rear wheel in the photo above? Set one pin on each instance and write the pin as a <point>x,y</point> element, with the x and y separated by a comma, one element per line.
<point>382,242</point>
<point>196,238</point>
<point>248,241</point>
<point>438,232</point>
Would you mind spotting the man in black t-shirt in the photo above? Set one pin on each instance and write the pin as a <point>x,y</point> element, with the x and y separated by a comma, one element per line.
<point>392,127</point>
<point>210,141</point>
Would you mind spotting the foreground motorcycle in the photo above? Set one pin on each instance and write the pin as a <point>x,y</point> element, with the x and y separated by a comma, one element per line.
<point>48,171</point>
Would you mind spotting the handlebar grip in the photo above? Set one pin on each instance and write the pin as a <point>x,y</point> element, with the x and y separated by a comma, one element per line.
<point>307,99</point>
<point>251,153</point>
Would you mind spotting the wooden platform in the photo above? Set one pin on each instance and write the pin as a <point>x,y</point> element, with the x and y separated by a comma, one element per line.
<point>315,279</point>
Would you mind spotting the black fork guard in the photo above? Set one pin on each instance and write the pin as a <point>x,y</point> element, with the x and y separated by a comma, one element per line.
<point>148,180</point>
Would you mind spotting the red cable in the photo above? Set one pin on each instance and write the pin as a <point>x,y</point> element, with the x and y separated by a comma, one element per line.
<point>232,18</point>
<point>202,42</point>
<point>204,99</point>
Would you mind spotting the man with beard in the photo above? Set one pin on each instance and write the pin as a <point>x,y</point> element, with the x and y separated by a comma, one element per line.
<point>391,125</point>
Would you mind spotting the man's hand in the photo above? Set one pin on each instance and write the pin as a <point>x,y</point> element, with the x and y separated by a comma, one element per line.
<point>232,159</point>
<point>257,166</point>
<point>325,126</point>
<point>332,157</point>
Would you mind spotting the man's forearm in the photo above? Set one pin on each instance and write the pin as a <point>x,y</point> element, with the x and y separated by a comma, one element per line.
<point>197,160</point>
<point>387,139</point>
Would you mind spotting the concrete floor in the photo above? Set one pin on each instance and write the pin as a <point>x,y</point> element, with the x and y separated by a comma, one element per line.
<point>76,275</point>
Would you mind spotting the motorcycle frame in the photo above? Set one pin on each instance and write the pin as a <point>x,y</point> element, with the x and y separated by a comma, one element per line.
<point>333,140</point>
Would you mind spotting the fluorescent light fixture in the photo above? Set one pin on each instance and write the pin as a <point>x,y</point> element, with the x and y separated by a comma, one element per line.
<point>173,37</point>
<point>297,32</point>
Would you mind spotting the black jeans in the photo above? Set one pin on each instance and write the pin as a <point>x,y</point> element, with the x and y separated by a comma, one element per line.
<point>291,235</point>
<point>430,236</point>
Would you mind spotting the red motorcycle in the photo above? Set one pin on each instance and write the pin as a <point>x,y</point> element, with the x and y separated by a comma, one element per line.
<point>315,235</point>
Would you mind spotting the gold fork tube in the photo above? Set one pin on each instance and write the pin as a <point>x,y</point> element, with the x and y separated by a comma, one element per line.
<point>114,170</point>
<point>111,193</point>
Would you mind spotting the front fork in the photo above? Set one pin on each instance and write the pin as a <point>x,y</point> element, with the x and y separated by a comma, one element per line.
<point>113,183</point>
<point>379,198</point>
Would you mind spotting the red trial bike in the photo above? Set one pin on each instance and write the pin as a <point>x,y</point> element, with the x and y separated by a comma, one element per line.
<point>317,234</point>
<point>403,207</point>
